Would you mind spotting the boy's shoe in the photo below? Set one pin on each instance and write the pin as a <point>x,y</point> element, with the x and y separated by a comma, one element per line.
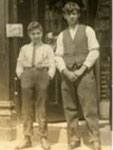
<point>44,144</point>
<point>26,143</point>
<point>74,145</point>
<point>96,145</point>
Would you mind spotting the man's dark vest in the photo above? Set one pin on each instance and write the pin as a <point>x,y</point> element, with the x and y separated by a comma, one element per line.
<point>76,50</point>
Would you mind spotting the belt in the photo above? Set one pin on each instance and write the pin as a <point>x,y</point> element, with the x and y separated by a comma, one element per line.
<point>35,68</point>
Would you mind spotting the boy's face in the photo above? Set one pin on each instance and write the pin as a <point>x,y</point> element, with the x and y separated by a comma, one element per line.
<point>35,35</point>
<point>72,18</point>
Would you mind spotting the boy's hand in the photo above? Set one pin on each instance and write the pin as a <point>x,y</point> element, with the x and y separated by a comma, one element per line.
<point>70,75</point>
<point>19,76</point>
<point>50,78</point>
<point>80,71</point>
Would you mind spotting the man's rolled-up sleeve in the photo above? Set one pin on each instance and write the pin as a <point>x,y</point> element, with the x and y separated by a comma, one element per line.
<point>93,47</point>
<point>59,54</point>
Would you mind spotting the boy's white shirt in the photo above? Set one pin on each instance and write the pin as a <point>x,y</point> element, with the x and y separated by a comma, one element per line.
<point>93,47</point>
<point>44,58</point>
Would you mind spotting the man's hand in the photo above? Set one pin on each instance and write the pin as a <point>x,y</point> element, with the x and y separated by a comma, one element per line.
<point>80,71</point>
<point>70,75</point>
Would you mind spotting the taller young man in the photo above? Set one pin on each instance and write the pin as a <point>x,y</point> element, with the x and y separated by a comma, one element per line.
<point>76,54</point>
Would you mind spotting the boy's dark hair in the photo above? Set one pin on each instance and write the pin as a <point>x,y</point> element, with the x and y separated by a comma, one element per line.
<point>34,25</point>
<point>70,7</point>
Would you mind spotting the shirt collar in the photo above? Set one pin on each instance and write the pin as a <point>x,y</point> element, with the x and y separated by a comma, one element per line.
<point>32,44</point>
<point>74,29</point>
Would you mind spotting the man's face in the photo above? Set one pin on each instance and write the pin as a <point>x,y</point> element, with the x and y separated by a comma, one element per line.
<point>35,35</point>
<point>72,18</point>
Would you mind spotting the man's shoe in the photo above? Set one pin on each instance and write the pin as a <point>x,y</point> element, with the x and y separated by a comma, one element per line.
<point>96,145</point>
<point>26,143</point>
<point>74,145</point>
<point>44,144</point>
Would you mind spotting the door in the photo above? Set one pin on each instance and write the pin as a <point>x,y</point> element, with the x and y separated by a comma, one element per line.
<point>49,13</point>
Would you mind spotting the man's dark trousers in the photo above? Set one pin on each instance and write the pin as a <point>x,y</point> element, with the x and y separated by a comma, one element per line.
<point>34,84</point>
<point>84,90</point>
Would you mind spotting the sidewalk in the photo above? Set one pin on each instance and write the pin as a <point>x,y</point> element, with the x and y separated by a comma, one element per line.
<point>58,138</point>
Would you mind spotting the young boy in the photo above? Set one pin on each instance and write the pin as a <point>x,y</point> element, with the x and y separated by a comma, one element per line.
<point>35,68</point>
<point>76,54</point>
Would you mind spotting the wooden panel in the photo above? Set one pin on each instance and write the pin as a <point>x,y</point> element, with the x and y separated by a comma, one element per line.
<point>4,52</point>
<point>41,10</point>
<point>53,17</point>
<point>103,29</point>
<point>37,11</point>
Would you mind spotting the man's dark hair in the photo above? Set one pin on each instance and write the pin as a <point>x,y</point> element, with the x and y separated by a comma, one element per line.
<point>34,25</point>
<point>70,7</point>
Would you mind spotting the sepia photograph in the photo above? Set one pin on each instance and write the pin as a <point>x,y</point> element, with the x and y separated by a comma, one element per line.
<point>56,75</point>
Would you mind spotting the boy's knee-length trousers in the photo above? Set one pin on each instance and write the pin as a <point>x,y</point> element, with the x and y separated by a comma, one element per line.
<point>34,84</point>
<point>83,91</point>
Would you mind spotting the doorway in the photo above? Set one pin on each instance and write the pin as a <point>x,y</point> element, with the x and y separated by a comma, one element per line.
<point>49,14</point>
